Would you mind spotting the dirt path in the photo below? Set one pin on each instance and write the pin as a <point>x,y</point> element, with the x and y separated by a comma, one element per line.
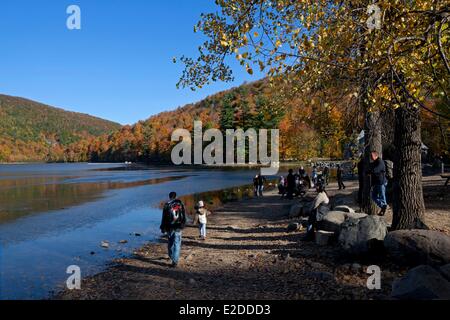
<point>248,255</point>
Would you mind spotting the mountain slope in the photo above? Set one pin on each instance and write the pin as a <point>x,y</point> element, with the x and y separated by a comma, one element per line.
<point>31,131</point>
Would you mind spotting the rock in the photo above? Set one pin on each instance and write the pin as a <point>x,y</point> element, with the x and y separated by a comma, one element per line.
<point>294,226</point>
<point>137,234</point>
<point>192,281</point>
<point>421,283</point>
<point>344,208</point>
<point>445,271</point>
<point>123,241</point>
<point>415,247</point>
<point>296,210</point>
<point>92,253</point>
<point>324,238</point>
<point>105,244</point>
<point>333,220</point>
<point>361,235</point>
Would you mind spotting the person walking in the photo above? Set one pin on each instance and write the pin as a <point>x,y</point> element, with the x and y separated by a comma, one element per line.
<point>377,172</point>
<point>173,222</point>
<point>340,177</point>
<point>201,217</point>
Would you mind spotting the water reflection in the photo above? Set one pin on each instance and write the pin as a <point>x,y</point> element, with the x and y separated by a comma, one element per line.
<point>32,195</point>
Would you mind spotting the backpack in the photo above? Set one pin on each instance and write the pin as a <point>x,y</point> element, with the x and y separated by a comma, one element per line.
<point>176,212</point>
<point>389,169</point>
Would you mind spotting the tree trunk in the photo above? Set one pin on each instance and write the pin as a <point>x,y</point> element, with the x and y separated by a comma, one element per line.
<point>372,142</point>
<point>408,204</point>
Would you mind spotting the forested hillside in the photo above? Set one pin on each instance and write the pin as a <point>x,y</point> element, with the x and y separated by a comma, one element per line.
<point>320,124</point>
<point>306,130</point>
<point>31,131</point>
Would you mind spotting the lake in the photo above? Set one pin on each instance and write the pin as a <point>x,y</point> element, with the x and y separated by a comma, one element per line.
<point>53,216</point>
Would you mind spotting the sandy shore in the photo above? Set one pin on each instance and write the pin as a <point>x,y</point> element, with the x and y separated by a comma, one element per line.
<point>250,255</point>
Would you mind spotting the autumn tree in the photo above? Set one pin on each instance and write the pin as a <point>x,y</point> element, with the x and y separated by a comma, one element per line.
<point>396,59</point>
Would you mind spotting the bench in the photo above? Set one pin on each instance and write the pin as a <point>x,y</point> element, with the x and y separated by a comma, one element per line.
<point>446,176</point>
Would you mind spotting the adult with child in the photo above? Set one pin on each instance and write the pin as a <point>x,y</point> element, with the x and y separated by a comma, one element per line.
<point>172,223</point>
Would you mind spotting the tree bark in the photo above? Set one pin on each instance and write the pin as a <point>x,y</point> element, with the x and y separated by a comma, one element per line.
<point>372,142</point>
<point>408,204</point>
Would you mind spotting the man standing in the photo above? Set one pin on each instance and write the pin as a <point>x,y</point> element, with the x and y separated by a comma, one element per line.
<point>290,184</point>
<point>340,177</point>
<point>172,222</point>
<point>326,174</point>
<point>377,172</point>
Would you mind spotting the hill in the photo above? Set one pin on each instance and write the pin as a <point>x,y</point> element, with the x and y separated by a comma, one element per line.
<point>31,131</point>
<point>308,128</point>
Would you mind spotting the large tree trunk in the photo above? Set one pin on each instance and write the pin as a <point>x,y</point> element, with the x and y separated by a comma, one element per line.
<point>372,141</point>
<point>408,204</point>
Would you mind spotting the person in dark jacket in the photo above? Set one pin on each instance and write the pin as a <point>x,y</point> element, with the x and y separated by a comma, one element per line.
<point>173,222</point>
<point>290,188</point>
<point>377,171</point>
<point>326,174</point>
<point>340,177</point>
<point>261,181</point>
<point>256,185</point>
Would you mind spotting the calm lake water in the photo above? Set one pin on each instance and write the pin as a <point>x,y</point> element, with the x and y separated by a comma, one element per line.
<point>56,215</point>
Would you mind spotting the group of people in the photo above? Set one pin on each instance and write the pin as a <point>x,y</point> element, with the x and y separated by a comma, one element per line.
<point>296,184</point>
<point>379,171</point>
<point>174,220</point>
<point>174,212</point>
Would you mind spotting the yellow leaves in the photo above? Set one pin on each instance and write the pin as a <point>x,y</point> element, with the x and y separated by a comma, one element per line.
<point>224,43</point>
<point>249,69</point>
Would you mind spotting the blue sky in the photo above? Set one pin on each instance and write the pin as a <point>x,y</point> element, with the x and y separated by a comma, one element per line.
<point>118,66</point>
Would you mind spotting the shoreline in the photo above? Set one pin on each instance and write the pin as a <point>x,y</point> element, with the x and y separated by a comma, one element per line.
<point>249,254</point>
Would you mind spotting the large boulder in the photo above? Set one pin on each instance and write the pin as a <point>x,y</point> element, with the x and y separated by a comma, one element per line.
<point>421,283</point>
<point>445,271</point>
<point>296,210</point>
<point>324,238</point>
<point>344,208</point>
<point>359,236</point>
<point>333,220</point>
<point>415,247</point>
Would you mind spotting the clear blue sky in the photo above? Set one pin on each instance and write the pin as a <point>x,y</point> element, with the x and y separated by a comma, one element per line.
<point>118,66</point>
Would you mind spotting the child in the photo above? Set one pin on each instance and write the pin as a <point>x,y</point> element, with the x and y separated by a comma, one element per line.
<point>201,216</point>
